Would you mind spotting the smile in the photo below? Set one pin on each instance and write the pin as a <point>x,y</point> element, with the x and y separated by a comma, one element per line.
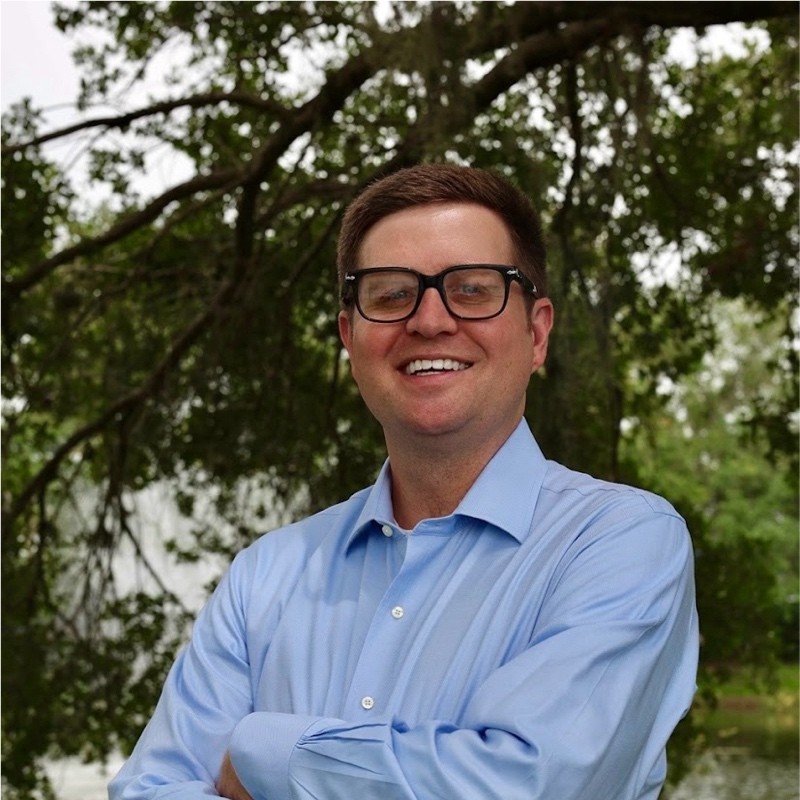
<point>425,365</point>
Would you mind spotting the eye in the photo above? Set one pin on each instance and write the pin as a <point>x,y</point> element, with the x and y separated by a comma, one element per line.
<point>394,295</point>
<point>474,287</point>
<point>471,288</point>
<point>384,290</point>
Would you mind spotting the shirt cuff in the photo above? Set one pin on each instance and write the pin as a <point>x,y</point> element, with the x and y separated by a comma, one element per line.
<point>260,749</point>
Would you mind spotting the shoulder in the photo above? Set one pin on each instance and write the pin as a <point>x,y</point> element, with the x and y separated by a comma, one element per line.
<point>565,486</point>
<point>579,514</point>
<point>268,570</point>
<point>297,541</point>
<point>608,539</point>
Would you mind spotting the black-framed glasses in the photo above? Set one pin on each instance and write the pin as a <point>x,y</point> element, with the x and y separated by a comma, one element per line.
<point>468,291</point>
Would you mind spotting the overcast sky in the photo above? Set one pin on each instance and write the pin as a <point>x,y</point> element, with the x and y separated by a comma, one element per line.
<point>36,61</point>
<point>35,58</point>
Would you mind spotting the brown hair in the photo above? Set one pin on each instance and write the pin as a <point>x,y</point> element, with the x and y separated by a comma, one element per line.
<point>426,184</point>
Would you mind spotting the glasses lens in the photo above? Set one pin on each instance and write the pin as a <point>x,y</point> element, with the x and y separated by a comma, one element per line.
<point>387,295</point>
<point>475,292</point>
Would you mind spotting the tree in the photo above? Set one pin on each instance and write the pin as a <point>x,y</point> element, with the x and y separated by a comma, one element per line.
<point>189,336</point>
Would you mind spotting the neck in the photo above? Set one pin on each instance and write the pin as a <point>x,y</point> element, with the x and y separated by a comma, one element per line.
<point>430,481</point>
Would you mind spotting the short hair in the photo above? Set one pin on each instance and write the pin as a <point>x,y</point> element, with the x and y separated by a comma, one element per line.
<point>428,184</point>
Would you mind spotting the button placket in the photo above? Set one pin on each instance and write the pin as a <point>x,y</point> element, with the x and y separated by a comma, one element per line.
<point>387,639</point>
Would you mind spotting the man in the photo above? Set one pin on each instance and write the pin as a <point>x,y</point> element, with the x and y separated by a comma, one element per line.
<point>481,623</point>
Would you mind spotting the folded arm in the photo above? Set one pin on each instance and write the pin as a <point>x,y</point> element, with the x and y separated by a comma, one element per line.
<point>584,712</point>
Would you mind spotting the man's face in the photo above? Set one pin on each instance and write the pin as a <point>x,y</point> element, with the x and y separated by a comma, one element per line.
<point>476,396</point>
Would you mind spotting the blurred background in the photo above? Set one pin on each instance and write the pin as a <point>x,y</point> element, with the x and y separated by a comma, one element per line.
<point>173,179</point>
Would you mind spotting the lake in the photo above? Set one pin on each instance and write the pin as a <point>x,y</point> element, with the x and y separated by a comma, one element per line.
<point>739,776</point>
<point>754,754</point>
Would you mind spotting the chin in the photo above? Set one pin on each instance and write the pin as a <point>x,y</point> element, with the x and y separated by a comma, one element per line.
<point>430,427</point>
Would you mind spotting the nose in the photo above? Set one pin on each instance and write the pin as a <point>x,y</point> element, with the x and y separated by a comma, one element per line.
<point>432,317</point>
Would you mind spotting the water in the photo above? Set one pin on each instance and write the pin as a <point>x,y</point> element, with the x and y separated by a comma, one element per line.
<point>754,752</point>
<point>739,776</point>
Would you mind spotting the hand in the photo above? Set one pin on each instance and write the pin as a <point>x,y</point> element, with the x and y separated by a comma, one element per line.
<point>228,783</point>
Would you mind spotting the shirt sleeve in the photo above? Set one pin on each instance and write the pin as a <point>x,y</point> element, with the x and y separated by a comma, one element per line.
<point>583,713</point>
<point>206,693</point>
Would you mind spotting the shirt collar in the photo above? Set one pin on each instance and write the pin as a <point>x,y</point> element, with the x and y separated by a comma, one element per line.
<point>504,494</point>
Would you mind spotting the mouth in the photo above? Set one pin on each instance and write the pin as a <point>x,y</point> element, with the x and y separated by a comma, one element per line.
<point>435,366</point>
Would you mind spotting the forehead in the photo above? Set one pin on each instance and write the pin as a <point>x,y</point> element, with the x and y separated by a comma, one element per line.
<point>436,236</point>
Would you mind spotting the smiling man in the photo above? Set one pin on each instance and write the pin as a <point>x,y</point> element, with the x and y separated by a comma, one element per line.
<point>479,623</point>
<point>447,371</point>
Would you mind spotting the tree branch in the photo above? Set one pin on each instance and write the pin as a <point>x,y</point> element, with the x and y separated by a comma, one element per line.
<point>338,87</point>
<point>128,403</point>
<point>228,178</point>
<point>588,24</point>
<point>122,121</point>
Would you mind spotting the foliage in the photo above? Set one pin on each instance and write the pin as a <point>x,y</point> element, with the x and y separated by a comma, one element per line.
<point>739,497</point>
<point>187,336</point>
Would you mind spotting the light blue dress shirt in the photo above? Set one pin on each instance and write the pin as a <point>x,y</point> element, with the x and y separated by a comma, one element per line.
<point>540,642</point>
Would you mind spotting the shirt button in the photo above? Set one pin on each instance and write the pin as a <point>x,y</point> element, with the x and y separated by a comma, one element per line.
<point>397,612</point>
<point>367,703</point>
<point>387,530</point>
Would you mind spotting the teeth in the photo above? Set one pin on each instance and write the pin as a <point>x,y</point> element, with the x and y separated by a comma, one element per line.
<point>435,365</point>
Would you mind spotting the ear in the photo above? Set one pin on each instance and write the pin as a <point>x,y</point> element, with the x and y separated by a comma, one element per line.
<point>346,331</point>
<point>541,323</point>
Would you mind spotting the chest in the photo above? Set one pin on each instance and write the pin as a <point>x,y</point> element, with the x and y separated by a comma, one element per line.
<point>406,628</point>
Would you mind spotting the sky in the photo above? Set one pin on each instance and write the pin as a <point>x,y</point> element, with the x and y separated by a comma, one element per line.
<point>35,58</point>
<point>36,62</point>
